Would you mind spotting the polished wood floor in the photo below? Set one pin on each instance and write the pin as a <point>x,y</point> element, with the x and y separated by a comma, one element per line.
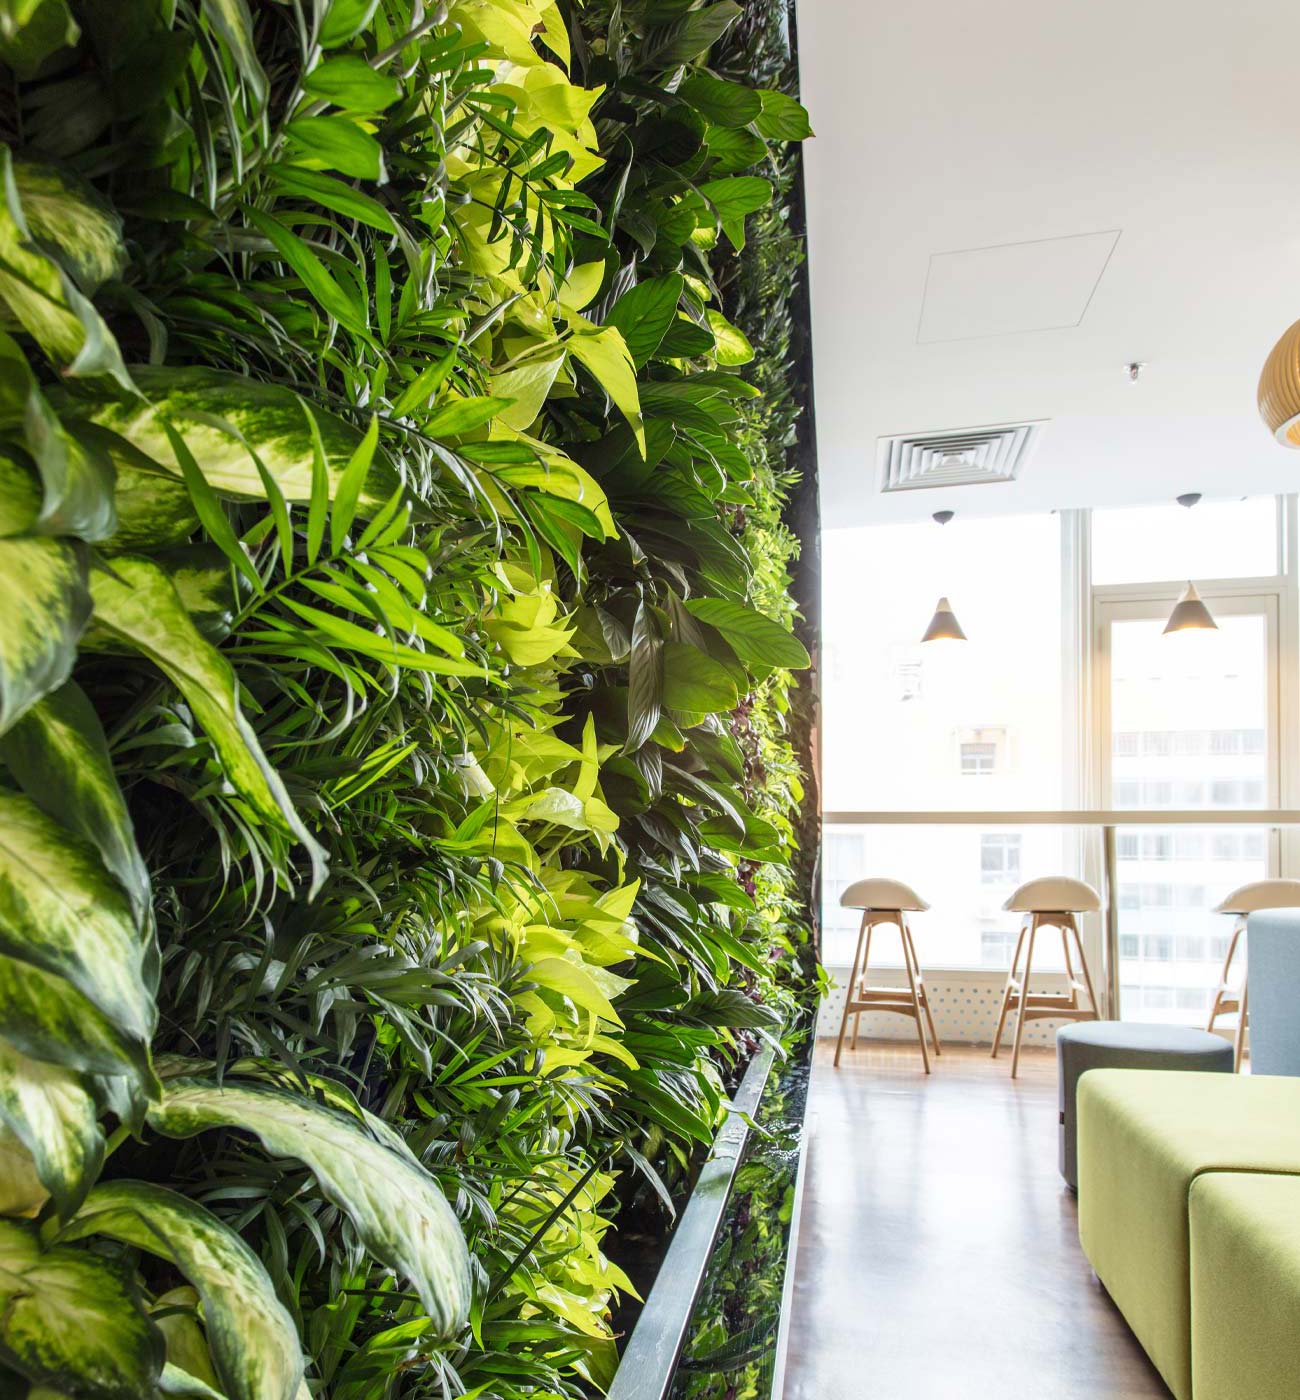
<point>938,1254</point>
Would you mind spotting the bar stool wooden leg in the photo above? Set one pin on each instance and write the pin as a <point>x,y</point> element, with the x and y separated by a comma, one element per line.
<point>1006,991</point>
<point>916,1000</point>
<point>1069,968</point>
<point>1024,995</point>
<point>1239,1041</point>
<point>924,990</point>
<point>862,976</point>
<point>1224,1000</point>
<point>851,990</point>
<point>1083,966</point>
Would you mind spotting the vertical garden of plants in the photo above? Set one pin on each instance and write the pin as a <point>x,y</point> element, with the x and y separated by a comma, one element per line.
<point>397,800</point>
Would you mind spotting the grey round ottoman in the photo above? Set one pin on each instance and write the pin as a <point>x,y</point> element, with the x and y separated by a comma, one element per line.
<point>1126,1045</point>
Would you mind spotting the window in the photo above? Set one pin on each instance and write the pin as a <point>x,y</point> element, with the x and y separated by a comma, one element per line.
<point>977,758</point>
<point>1128,845</point>
<point>1189,845</point>
<point>935,726</point>
<point>1219,539</point>
<point>1159,743</point>
<point>1128,945</point>
<point>1157,846</point>
<point>1000,858</point>
<point>1158,948</point>
<point>997,946</point>
<point>1125,745</point>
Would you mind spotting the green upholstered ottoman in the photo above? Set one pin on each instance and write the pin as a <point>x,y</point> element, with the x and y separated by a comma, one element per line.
<point>1125,1045</point>
<point>1245,1286</point>
<point>1144,1137</point>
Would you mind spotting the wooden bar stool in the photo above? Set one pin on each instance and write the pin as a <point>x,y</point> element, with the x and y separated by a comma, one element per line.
<point>1249,899</point>
<point>1052,901</point>
<point>885,902</point>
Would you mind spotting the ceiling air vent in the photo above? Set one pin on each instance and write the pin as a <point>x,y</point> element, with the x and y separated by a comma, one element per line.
<point>958,457</point>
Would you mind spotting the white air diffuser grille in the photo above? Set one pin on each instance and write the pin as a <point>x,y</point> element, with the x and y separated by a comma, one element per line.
<point>961,457</point>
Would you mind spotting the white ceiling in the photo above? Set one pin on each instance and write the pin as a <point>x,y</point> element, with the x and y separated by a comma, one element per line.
<point>1123,175</point>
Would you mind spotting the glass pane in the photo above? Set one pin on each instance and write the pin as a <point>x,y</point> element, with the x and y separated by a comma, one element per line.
<point>965,873</point>
<point>1189,718</point>
<point>943,725</point>
<point>1215,539</point>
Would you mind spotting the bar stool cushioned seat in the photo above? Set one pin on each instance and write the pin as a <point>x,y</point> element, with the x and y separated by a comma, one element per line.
<point>1144,1138</point>
<point>1054,894</point>
<point>1126,1045</point>
<point>1245,1232</point>
<point>877,893</point>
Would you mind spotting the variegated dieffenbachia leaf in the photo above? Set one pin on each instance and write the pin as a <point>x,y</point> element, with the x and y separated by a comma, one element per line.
<point>42,294</point>
<point>59,755</point>
<point>399,1211</point>
<point>70,217</point>
<point>251,1337</point>
<point>220,416</point>
<point>71,1320</point>
<point>62,912</point>
<point>78,479</point>
<point>22,1192</point>
<point>138,603</point>
<point>46,1017</point>
<point>47,603</point>
<point>49,1110</point>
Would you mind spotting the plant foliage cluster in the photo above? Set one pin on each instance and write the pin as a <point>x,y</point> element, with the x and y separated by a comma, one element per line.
<point>395,797</point>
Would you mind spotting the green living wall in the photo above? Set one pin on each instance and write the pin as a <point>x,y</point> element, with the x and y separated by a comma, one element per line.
<point>396,792</point>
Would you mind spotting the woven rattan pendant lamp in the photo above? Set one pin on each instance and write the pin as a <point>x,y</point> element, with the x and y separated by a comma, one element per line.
<point>1279,389</point>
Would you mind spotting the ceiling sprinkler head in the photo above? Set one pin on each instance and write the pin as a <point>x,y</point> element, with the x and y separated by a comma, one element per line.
<point>1134,370</point>
<point>1188,499</point>
<point>942,517</point>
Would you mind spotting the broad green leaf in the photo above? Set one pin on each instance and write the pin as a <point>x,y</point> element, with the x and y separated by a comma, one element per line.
<point>728,104</point>
<point>43,296</point>
<point>230,18</point>
<point>139,604</point>
<point>47,604</point>
<point>737,194</point>
<point>22,1192</point>
<point>58,754</point>
<point>20,495</point>
<point>349,81</point>
<point>154,510</point>
<point>398,1210</point>
<point>731,347</point>
<point>61,911</point>
<point>756,640</point>
<point>643,314</point>
<point>336,143</point>
<point>196,402</point>
<point>782,117</point>
<point>251,1337</point>
<point>528,386</point>
<point>686,38</point>
<point>32,30</point>
<point>604,352</point>
<point>71,1320</point>
<point>48,1109</point>
<point>645,691</point>
<point>344,20</point>
<point>78,478</point>
<point>67,214</point>
<point>48,1019</point>
<point>695,683</point>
